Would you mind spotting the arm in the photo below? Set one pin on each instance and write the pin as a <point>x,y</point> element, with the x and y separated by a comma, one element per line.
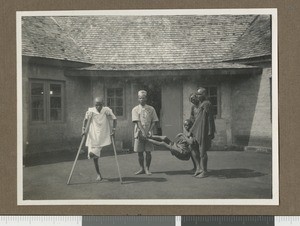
<point>149,133</point>
<point>113,130</point>
<point>85,121</point>
<point>192,116</point>
<point>110,113</point>
<point>83,126</point>
<point>189,139</point>
<point>210,120</point>
<point>153,122</point>
<point>139,124</point>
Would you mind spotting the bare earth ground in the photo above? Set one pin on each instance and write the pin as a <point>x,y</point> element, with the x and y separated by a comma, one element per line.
<point>232,174</point>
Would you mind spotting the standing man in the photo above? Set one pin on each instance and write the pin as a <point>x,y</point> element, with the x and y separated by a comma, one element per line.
<point>144,117</point>
<point>203,129</point>
<point>99,132</point>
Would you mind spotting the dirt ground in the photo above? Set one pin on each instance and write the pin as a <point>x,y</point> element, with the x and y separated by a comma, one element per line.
<point>232,175</point>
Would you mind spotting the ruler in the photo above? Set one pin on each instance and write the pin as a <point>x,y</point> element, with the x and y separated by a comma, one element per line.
<point>150,220</point>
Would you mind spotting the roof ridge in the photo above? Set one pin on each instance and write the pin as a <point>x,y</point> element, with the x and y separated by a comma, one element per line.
<point>237,40</point>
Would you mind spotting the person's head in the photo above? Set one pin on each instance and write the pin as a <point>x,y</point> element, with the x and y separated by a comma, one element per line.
<point>201,94</point>
<point>194,99</point>
<point>142,97</point>
<point>187,124</point>
<point>98,102</point>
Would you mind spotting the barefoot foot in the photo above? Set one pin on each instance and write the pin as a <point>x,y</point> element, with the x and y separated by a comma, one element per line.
<point>197,172</point>
<point>148,172</point>
<point>202,175</point>
<point>141,171</point>
<point>99,178</point>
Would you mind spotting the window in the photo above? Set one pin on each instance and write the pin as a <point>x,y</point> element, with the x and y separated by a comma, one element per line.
<point>46,99</point>
<point>115,100</point>
<point>212,94</point>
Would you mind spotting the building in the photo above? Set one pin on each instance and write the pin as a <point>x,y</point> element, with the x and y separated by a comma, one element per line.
<point>67,61</point>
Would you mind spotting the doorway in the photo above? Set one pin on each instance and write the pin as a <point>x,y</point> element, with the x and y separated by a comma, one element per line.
<point>154,99</point>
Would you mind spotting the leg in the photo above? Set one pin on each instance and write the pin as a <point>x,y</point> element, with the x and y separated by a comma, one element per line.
<point>141,163</point>
<point>159,143</point>
<point>161,138</point>
<point>139,147</point>
<point>195,157</point>
<point>204,160</point>
<point>99,177</point>
<point>194,165</point>
<point>148,162</point>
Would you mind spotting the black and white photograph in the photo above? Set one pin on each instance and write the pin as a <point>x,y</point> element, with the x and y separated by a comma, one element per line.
<point>147,107</point>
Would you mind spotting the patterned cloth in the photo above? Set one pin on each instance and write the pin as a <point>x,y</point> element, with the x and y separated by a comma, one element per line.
<point>146,115</point>
<point>181,148</point>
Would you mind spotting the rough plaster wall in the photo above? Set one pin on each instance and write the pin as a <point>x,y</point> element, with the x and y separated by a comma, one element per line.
<point>251,110</point>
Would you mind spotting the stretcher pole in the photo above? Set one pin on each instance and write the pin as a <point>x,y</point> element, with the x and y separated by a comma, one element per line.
<point>80,146</point>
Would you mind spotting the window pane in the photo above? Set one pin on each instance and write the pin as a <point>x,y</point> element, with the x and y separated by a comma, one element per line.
<point>110,102</point>
<point>119,102</point>
<point>213,100</point>
<point>119,92</point>
<point>37,102</point>
<point>110,92</point>
<point>55,115</point>
<point>119,111</point>
<point>37,114</point>
<point>55,89</point>
<point>115,100</point>
<point>213,91</point>
<point>55,102</point>
<point>37,89</point>
<point>215,110</point>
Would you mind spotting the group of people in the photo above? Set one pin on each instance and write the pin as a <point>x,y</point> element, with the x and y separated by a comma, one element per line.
<point>193,143</point>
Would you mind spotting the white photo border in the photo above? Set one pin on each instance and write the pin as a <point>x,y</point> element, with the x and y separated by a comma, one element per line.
<point>275,119</point>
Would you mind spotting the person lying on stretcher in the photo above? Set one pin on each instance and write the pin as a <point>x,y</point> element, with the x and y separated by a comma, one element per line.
<point>181,147</point>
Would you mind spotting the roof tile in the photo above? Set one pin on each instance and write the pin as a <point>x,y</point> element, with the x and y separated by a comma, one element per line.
<point>156,39</point>
<point>43,37</point>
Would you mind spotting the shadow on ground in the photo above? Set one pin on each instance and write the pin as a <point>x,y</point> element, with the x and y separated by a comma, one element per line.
<point>221,173</point>
<point>175,172</point>
<point>126,180</point>
<point>62,156</point>
<point>234,173</point>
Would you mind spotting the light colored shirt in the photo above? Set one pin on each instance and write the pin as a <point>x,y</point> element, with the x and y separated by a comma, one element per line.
<point>144,114</point>
<point>99,131</point>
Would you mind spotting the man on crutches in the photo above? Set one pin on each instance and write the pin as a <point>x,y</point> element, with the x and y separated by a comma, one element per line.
<point>99,133</point>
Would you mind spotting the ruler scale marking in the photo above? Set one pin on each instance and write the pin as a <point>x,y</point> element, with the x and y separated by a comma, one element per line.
<point>150,220</point>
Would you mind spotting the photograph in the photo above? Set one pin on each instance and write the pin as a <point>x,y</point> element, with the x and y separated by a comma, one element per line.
<point>147,107</point>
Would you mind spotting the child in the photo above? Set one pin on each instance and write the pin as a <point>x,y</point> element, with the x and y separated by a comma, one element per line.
<point>181,147</point>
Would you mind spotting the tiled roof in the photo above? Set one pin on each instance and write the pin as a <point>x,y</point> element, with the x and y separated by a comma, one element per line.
<point>181,39</point>
<point>255,42</point>
<point>43,37</point>
<point>124,67</point>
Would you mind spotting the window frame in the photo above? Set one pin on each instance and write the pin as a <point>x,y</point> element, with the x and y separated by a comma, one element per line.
<point>47,109</point>
<point>116,86</point>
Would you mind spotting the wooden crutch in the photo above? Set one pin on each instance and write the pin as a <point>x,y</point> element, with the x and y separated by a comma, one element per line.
<point>116,156</point>
<point>87,127</point>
